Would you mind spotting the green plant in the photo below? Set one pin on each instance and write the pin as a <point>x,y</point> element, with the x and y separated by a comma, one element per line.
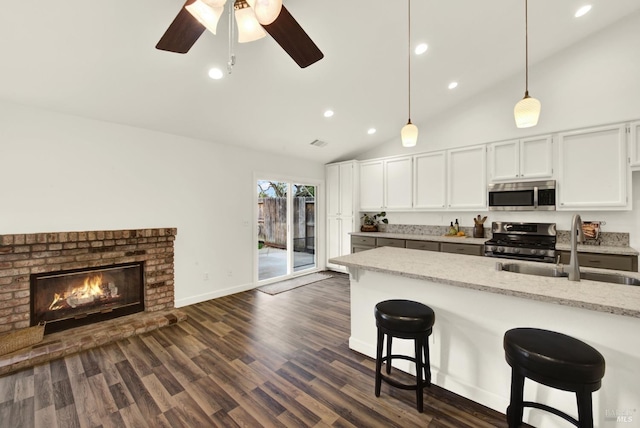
<point>375,219</point>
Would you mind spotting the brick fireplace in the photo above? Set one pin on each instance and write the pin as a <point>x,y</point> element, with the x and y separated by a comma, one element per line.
<point>24,255</point>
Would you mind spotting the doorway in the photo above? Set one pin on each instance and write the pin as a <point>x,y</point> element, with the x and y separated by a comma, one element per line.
<point>286,228</point>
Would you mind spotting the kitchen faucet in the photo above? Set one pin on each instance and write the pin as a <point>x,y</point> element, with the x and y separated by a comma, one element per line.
<point>577,235</point>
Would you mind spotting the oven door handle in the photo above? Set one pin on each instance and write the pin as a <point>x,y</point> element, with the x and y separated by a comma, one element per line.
<point>535,197</point>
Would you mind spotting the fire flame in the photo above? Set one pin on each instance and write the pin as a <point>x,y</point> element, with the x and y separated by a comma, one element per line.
<point>88,291</point>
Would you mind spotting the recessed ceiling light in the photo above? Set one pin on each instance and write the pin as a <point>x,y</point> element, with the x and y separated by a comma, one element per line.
<point>328,113</point>
<point>216,73</point>
<point>421,48</point>
<point>453,85</point>
<point>583,11</point>
<point>371,131</point>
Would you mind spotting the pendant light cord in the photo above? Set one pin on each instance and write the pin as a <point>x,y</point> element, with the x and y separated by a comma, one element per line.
<point>409,56</point>
<point>526,48</point>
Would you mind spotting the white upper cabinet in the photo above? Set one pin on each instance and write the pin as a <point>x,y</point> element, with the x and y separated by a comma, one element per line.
<point>371,186</point>
<point>339,179</point>
<point>592,169</point>
<point>536,157</point>
<point>386,184</point>
<point>528,158</point>
<point>398,182</point>
<point>635,146</point>
<point>430,180</point>
<point>467,178</point>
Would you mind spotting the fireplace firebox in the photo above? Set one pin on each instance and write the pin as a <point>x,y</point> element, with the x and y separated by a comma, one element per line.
<point>72,298</point>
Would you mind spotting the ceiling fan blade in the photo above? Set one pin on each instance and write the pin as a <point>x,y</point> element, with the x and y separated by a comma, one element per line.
<point>182,33</point>
<point>293,39</point>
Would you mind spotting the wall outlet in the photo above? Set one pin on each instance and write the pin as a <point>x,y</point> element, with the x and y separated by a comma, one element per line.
<point>205,276</point>
<point>229,273</point>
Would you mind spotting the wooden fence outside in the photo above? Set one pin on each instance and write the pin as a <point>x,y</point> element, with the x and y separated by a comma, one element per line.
<point>272,223</point>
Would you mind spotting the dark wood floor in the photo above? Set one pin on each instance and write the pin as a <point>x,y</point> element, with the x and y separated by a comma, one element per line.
<point>248,360</point>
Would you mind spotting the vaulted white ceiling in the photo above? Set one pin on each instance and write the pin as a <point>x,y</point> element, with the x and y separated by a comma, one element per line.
<point>97,60</point>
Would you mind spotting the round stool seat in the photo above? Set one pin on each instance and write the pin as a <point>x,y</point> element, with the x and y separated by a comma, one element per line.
<point>553,358</point>
<point>404,316</point>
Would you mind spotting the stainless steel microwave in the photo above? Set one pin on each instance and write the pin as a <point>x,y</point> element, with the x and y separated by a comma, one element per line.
<point>523,196</point>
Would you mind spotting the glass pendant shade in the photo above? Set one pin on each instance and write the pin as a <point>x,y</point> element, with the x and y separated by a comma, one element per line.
<point>409,134</point>
<point>266,10</point>
<point>207,13</point>
<point>249,29</point>
<point>527,112</point>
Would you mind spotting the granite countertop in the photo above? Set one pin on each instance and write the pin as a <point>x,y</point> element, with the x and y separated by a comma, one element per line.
<point>599,249</point>
<point>479,273</point>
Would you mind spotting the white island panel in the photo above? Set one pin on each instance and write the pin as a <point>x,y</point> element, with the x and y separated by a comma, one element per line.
<point>467,355</point>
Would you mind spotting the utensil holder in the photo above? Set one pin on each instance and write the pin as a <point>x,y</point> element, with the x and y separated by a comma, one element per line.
<point>478,231</point>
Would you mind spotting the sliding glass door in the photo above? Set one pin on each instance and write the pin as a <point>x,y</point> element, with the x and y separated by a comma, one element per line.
<point>286,228</point>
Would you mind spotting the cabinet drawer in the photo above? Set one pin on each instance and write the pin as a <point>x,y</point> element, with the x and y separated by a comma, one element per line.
<point>363,240</point>
<point>424,245</point>
<point>469,249</point>
<point>358,248</point>
<point>390,242</point>
<point>603,261</point>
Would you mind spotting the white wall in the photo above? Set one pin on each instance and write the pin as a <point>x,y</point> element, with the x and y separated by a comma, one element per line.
<point>594,82</point>
<point>66,173</point>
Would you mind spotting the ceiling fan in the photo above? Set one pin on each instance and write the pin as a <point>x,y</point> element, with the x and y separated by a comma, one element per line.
<point>198,15</point>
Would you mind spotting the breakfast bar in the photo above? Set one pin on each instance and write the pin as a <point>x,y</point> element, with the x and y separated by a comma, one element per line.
<point>475,304</point>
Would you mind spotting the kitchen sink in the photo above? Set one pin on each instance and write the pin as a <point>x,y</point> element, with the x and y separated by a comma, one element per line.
<point>610,277</point>
<point>557,271</point>
<point>546,270</point>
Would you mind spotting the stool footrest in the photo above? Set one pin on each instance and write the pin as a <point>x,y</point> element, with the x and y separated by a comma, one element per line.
<point>393,382</point>
<point>553,410</point>
<point>397,384</point>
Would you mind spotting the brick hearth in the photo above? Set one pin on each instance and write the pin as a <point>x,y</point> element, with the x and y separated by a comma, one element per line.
<point>24,254</point>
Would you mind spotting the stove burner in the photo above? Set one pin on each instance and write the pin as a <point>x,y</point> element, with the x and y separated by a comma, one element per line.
<point>523,241</point>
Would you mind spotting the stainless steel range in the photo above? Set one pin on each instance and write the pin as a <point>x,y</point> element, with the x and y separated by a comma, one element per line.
<point>522,241</point>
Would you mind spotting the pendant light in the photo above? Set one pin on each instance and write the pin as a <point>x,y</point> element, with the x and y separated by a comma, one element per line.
<point>527,111</point>
<point>409,132</point>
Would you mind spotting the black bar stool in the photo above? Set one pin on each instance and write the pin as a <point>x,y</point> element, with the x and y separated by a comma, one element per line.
<point>555,360</point>
<point>404,319</point>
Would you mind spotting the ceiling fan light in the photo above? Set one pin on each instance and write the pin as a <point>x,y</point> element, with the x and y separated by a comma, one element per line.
<point>527,112</point>
<point>266,10</point>
<point>206,14</point>
<point>409,134</point>
<point>249,29</point>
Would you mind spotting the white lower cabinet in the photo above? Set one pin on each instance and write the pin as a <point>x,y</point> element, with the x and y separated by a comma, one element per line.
<point>593,172</point>
<point>467,178</point>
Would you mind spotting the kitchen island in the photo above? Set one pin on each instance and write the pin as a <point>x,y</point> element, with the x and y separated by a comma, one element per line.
<point>475,304</point>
